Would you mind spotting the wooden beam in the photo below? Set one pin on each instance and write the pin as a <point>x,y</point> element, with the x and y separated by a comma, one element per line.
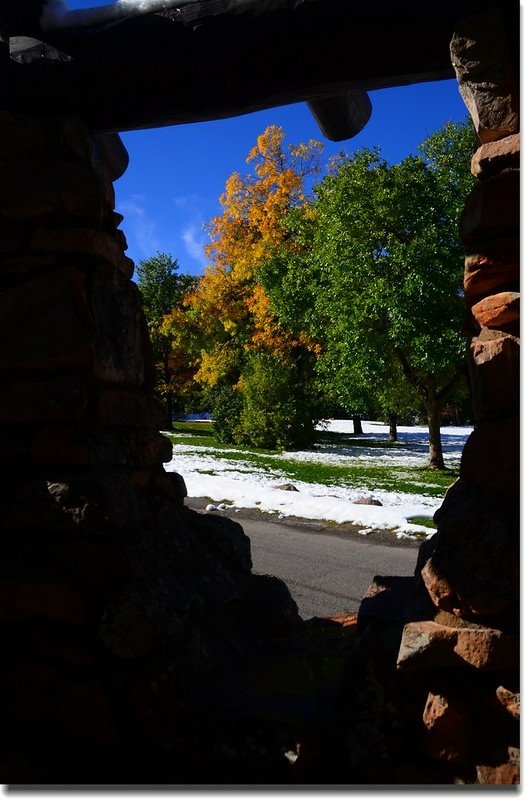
<point>342,116</point>
<point>221,58</point>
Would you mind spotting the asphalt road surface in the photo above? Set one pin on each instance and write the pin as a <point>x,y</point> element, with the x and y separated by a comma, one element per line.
<point>327,573</point>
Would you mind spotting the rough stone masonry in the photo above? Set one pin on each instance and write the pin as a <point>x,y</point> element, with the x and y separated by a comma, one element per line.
<point>138,646</point>
<point>465,645</point>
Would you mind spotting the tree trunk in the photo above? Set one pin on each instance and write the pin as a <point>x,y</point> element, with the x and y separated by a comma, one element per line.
<point>168,401</point>
<point>392,433</point>
<point>434,434</point>
<point>168,397</point>
<point>358,428</point>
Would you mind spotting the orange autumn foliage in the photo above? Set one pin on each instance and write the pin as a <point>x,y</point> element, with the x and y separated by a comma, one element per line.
<point>229,306</point>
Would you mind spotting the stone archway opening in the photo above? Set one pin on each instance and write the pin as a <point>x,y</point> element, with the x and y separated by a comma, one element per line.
<point>130,623</point>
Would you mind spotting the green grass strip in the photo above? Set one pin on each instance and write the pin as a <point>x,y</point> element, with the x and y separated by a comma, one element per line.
<point>410,480</point>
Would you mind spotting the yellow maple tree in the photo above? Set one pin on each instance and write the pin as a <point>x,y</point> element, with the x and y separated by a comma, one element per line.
<point>228,305</point>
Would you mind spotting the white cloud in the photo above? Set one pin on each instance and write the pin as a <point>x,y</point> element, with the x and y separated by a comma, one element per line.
<point>139,226</point>
<point>146,235</point>
<point>189,211</point>
<point>194,242</point>
<point>193,204</point>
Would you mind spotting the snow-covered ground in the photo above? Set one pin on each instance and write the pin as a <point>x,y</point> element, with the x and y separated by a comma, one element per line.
<point>229,484</point>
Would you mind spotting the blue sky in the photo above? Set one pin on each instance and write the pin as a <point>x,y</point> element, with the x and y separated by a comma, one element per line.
<point>177,173</point>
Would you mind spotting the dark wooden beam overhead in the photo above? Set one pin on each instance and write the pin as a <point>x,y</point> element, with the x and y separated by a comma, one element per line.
<point>342,116</point>
<point>220,58</point>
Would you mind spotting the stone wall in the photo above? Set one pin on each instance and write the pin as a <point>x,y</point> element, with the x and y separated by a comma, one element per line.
<point>460,638</point>
<point>138,646</point>
<point>115,599</point>
<point>445,643</point>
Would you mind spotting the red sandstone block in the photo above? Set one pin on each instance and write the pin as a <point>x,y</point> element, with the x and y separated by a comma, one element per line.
<point>486,75</point>
<point>502,775</point>
<point>128,408</point>
<point>60,190</point>
<point>60,335</point>
<point>29,692</point>
<point>495,374</point>
<point>491,457</point>
<point>510,701</point>
<point>12,237</point>
<point>62,705</point>
<point>60,446</point>
<point>171,484</point>
<point>33,138</point>
<point>126,630</point>
<point>122,335</point>
<point>345,620</point>
<point>53,400</point>
<point>498,310</point>
<point>87,711</point>
<point>427,644</point>
<point>495,156</point>
<point>492,267</point>
<point>441,592</point>
<point>448,728</point>
<point>87,242</point>
<point>21,265</point>
<point>22,600</point>
<point>492,209</point>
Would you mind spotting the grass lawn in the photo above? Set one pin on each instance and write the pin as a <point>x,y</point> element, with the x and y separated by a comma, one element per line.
<point>392,478</point>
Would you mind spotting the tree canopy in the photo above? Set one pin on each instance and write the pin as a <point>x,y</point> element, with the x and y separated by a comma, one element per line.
<point>163,289</point>
<point>376,276</point>
<point>350,298</point>
<point>229,305</point>
<point>236,336</point>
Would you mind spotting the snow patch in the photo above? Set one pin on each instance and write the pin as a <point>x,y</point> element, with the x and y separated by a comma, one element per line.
<point>255,487</point>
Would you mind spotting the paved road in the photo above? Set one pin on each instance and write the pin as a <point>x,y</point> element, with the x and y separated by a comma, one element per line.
<point>326,573</point>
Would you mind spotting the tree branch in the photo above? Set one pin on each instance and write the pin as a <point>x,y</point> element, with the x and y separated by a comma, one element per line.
<point>443,393</point>
<point>410,374</point>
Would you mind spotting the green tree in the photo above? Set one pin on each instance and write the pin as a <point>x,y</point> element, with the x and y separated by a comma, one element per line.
<point>279,402</point>
<point>228,309</point>
<point>226,407</point>
<point>161,285</point>
<point>163,290</point>
<point>377,274</point>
